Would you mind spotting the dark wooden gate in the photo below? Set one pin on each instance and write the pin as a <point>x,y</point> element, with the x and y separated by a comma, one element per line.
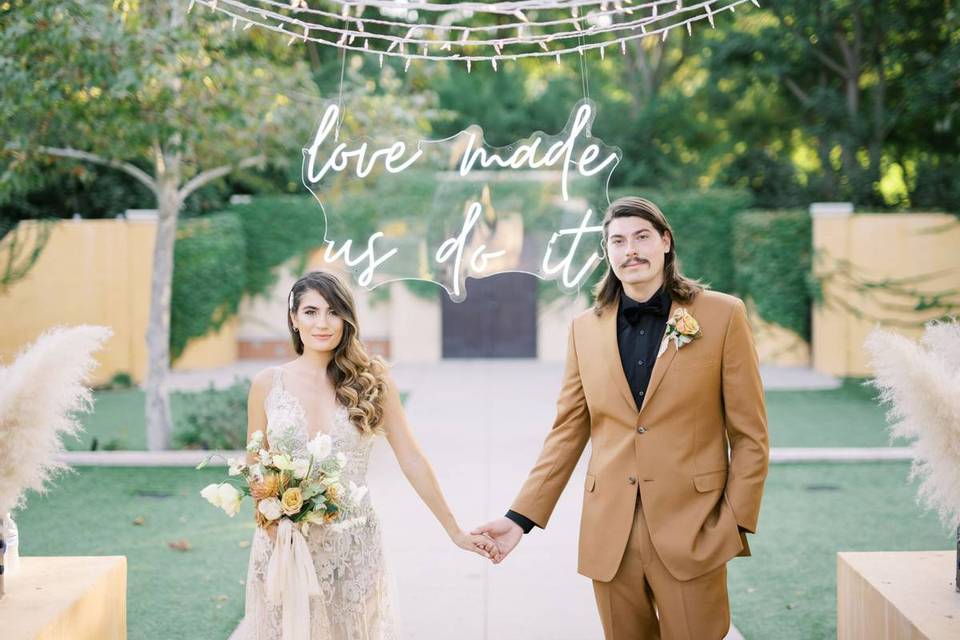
<point>497,320</point>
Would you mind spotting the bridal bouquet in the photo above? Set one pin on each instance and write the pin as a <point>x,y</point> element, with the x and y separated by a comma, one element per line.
<point>302,489</point>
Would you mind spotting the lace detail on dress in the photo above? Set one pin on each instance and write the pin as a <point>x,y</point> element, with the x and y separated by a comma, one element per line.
<point>357,600</point>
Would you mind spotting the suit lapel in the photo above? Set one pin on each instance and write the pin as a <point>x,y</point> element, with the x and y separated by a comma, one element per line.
<point>662,363</point>
<point>611,354</point>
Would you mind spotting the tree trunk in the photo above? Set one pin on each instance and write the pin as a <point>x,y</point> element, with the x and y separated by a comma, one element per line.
<point>159,419</point>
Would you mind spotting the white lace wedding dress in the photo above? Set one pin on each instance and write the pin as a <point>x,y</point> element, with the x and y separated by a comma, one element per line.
<point>358,597</point>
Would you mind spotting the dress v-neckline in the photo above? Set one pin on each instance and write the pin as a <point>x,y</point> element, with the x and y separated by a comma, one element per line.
<point>303,412</point>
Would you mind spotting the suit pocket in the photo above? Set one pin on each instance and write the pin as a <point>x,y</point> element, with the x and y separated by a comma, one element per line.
<point>590,483</point>
<point>710,481</point>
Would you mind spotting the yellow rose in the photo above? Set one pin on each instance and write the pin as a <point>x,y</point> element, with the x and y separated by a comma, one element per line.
<point>687,325</point>
<point>292,501</point>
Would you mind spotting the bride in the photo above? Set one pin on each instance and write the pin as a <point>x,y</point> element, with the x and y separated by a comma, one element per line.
<point>334,387</point>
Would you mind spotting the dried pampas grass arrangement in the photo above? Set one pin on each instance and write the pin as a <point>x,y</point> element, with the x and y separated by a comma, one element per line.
<point>920,383</point>
<point>39,394</point>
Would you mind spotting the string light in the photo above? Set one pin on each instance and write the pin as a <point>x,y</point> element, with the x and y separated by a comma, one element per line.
<point>600,33</point>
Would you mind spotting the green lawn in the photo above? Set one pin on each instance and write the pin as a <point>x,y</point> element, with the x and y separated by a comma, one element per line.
<point>850,416</point>
<point>785,591</point>
<point>846,417</point>
<point>117,420</point>
<point>171,594</point>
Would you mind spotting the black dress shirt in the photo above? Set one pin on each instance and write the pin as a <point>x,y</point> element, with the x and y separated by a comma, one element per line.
<point>640,327</point>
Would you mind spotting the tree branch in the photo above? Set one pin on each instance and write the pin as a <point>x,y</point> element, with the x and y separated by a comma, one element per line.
<point>795,89</point>
<point>126,167</point>
<point>827,61</point>
<point>209,175</point>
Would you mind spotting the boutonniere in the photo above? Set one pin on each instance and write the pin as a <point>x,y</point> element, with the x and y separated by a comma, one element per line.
<point>682,328</point>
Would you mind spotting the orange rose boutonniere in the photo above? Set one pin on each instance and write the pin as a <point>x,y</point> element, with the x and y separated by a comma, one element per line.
<point>682,328</point>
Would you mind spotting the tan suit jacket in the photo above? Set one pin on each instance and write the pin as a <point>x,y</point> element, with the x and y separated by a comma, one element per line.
<point>696,450</point>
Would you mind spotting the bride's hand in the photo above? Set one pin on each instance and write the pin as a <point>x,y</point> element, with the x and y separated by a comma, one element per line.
<point>480,544</point>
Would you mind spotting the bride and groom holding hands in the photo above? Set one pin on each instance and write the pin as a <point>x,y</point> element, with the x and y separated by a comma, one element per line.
<point>661,377</point>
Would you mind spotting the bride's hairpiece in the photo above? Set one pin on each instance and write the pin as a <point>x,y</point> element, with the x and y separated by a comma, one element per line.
<point>290,301</point>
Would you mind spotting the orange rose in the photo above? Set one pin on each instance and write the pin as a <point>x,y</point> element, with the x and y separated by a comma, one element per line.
<point>686,324</point>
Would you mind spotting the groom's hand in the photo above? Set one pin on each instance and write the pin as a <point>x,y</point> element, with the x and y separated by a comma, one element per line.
<point>505,532</point>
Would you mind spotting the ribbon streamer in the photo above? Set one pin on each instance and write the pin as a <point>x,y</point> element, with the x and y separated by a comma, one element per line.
<point>291,580</point>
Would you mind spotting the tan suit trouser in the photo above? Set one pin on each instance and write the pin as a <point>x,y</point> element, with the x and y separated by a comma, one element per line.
<point>643,589</point>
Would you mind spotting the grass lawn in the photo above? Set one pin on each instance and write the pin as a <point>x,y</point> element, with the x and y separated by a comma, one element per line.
<point>785,591</point>
<point>170,594</point>
<point>850,416</point>
<point>846,417</point>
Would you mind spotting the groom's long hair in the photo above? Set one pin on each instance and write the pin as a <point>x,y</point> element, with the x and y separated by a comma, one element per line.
<point>680,288</point>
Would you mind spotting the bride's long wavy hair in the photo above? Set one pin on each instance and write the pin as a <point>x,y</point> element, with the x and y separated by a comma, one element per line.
<point>358,378</point>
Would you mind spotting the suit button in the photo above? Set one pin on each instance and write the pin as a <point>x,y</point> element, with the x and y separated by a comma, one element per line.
<point>632,480</point>
<point>641,429</point>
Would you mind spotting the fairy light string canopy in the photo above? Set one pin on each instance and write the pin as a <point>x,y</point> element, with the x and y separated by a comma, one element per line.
<point>441,211</point>
<point>471,32</point>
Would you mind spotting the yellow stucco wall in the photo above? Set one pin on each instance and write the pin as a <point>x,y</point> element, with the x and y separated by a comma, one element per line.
<point>777,345</point>
<point>916,254</point>
<point>98,272</point>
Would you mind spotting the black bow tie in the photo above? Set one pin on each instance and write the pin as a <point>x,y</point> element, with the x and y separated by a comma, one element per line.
<point>658,305</point>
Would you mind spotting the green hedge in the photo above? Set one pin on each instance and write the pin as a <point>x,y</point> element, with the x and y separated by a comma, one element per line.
<point>208,277</point>
<point>213,418</point>
<point>772,261</point>
<point>276,228</point>
<point>220,257</point>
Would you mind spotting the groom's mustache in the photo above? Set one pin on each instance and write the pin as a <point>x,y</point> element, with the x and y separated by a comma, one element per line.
<point>634,261</point>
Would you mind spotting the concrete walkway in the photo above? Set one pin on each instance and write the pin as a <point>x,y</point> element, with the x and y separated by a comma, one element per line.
<point>481,423</point>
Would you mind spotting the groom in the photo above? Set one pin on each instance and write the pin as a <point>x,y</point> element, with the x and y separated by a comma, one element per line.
<point>662,377</point>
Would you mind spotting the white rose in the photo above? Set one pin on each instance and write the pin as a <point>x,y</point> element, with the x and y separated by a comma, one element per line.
<point>211,493</point>
<point>264,457</point>
<point>230,499</point>
<point>320,446</point>
<point>270,508</point>
<point>283,462</point>
<point>300,467</point>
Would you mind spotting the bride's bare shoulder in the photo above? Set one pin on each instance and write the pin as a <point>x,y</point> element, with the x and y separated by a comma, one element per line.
<point>260,384</point>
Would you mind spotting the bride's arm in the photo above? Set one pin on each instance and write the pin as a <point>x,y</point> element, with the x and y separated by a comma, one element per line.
<point>256,414</point>
<point>419,472</point>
